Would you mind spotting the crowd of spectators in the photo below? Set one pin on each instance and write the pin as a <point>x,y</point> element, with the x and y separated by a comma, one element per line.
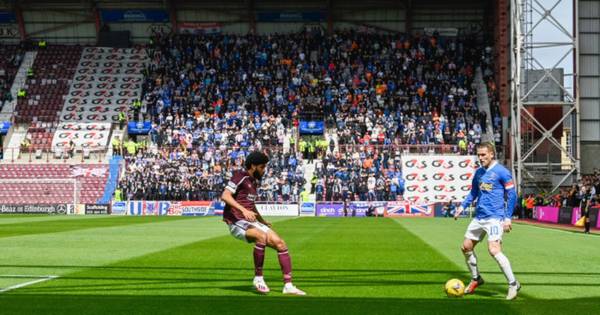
<point>211,97</point>
<point>359,175</point>
<point>174,173</point>
<point>387,89</point>
<point>565,197</point>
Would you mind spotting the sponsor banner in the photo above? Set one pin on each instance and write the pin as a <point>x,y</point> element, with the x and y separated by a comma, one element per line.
<point>199,28</point>
<point>86,115</point>
<point>83,79</point>
<point>407,209</point>
<point>307,209</point>
<point>546,214</point>
<point>134,15</point>
<point>439,178</point>
<point>106,82</point>
<point>113,50</point>
<point>119,208</point>
<point>108,71</point>
<point>163,207</point>
<point>97,209</point>
<point>191,208</point>
<point>139,127</point>
<point>102,89</point>
<point>79,209</point>
<point>360,208</point>
<point>218,207</point>
<point>565,215</point>
<point>440,211</point>
<point>329,210</point>
<point>594,217</point>
<point>575,215</point>
<point>277,209</point>
<point>4,127</point>
<point>312,127</point>
<point>37,209</point>
<point>84,135</point>
<point>147,207</point>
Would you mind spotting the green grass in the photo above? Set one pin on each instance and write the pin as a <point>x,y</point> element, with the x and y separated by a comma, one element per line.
<point>347,266</point>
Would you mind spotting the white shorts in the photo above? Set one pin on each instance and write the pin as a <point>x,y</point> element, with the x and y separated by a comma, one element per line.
<point>478,228</point>
<point>238,229</point>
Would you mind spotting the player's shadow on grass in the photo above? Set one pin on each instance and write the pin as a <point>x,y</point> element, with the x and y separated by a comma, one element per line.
<point>244,289</point>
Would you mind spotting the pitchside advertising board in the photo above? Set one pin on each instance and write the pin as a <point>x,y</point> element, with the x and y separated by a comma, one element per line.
<point>162,208</point>
<point>360,208</point>
<point>97,209</point>
<point>307,209</point>
<point>37,209</point>
<point>594,216</point>
<point>406,209</point>
<point>564,215</point>
<point>439,178</point>
<point>193,208</point>
<point>282,210</point>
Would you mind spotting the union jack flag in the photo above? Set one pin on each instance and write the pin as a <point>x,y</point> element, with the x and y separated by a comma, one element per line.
<point>406,208</point>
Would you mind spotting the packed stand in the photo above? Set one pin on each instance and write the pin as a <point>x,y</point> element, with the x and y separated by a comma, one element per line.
<point>362,174</point>
<point>390,89</point>
<point>201,174</point>
<point>228,93</point>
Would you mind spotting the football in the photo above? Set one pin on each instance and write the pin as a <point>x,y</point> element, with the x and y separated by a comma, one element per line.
<point>454,288</point>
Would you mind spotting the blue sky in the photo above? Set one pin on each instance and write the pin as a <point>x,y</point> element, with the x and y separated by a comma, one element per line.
<point>546,32</point>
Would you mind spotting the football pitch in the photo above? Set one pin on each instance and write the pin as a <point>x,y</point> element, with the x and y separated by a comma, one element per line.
<point>187,265</point>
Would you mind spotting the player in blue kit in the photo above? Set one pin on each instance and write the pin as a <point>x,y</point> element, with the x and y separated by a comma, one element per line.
<point>494,190</point>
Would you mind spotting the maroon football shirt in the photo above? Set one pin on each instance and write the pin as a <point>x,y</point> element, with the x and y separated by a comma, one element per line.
<point>243,187</point>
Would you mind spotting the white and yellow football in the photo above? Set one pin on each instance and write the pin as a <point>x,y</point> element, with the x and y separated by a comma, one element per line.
<point>454,288</point>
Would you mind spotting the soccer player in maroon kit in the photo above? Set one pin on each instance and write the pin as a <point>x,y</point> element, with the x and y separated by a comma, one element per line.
<point>246,224</point>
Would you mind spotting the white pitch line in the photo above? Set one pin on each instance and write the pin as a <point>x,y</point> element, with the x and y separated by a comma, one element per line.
<point>20,285</point>
<point>26,276</point>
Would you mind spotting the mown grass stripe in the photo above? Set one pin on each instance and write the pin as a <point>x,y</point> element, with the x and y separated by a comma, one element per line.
<point>12,219</point>
<point>347,265</point>
<point>542,259</point>
<point>370,261</point>
<point>67,224</point>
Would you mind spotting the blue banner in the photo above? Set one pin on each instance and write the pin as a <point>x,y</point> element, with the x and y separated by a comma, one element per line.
<point>119,207</point>
<point>134,16</point>
<point>4,127</point>
<point>218,207</point>
<point>139,127</point>
<point>307,208</point>
<point>7,17</point>
<point>144,207</point>
<point>287,16</point>
<point>312,127</point>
